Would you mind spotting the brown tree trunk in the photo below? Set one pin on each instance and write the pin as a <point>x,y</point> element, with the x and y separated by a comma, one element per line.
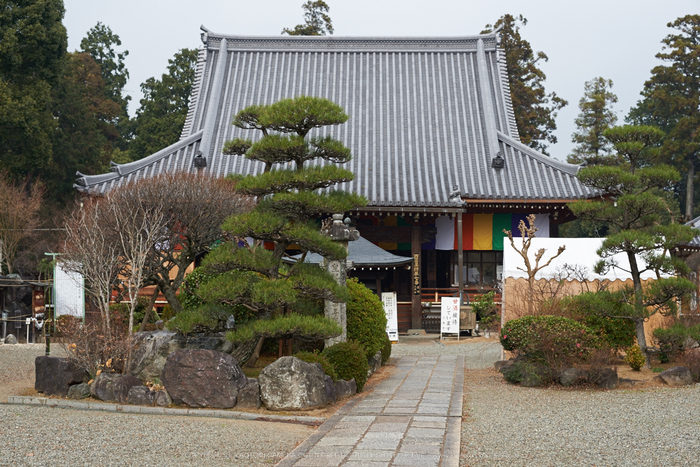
<point>689,194</point>
<point>171,296</point>
<point>256,353</point>
<point>147,314</point>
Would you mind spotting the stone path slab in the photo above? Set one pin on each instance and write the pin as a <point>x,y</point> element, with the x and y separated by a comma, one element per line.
<point>412,418</point>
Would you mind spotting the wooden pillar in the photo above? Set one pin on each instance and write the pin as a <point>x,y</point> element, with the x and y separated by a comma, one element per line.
<point>416,312</point>
<point>460,255</point>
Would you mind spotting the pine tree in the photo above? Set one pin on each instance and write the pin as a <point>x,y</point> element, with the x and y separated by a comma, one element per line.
<point>595,117</point>
<point>316,20</point>
<point>633,205</point>
<point>293,192</point>
<point>671,101</point>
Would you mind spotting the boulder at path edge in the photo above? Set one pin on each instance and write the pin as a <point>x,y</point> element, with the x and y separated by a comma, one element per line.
<point>55,375</point>
<point>289,383</point>
<point>203,378</point>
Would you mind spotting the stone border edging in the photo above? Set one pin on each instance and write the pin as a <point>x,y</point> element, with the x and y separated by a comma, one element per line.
<point>140,409</point>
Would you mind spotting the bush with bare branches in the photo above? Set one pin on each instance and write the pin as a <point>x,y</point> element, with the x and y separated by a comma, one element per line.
<point>19,216</point>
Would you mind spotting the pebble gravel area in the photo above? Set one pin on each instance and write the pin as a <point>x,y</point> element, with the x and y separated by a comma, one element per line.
<point>515,426</point>
<point>44,436</point>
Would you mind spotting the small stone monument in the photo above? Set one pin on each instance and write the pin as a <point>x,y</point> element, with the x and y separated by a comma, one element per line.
<point>340,232</point>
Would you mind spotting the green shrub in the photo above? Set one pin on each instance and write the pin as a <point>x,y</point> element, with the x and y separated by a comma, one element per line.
<point>350,361</point>
<point>192,320</point>
<point>485,308</point>
<point>386,350</point>
<point>671,341</point>
<point>315,357</point>
<point>527,373</point>
<point>554,342</point>
<point>635,358</point>
<point>366,320</point>
<point>594,310</point>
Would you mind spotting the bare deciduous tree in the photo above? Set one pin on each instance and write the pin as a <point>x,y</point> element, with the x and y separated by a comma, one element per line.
<point>197,205</point>
<point>527,232</point>
<point>19,208</point>
<point>91,249</point>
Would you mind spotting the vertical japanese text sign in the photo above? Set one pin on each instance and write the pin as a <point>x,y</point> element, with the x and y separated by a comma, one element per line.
<point>390,309</point>
<point>449,315</point>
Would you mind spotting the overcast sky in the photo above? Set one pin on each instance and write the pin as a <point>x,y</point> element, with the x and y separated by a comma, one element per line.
<point>615,39</point>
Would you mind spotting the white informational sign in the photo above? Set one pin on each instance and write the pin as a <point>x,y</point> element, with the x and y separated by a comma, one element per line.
<point>449,316</point>
<point>69,298</point>
<point>391,311</point>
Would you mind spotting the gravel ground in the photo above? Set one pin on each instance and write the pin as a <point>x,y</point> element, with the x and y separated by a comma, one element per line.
<point>45,436</point>
<point>515,426</point>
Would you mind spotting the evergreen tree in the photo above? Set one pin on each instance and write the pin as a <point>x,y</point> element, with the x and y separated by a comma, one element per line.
<point>291,197</point>
<point>100,43</point>
<point>595,117</point>
<point>164,106</point>
<point>32,48</point>
<point>671,101</point>
<point>633,204</point>
<point>535,110</point>
<point>82,113</point>
<point>316,20</point>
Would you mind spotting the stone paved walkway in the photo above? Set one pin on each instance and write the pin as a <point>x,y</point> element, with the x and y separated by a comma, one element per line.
<point>412,418</point>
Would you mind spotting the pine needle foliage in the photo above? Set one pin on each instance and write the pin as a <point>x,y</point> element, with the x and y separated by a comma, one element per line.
<point>294,190</point>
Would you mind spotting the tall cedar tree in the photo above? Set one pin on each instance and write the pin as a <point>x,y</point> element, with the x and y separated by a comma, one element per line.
<point>671,101</point>
<point>633,206</point>
<point>82,112</point>
<point>100,43</point>
<point>595,117</point>
<point>535,110</point>
<point>290,199</point>
<point>316,20</point>
<point>33,43</point>
<point>164,106</point>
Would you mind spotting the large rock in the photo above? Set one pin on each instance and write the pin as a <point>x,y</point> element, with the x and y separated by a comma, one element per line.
<point>55,375</point>
<point>122,385</point>
<point>572,376</point>
<point>79,391</point>
<point>140,395</point>
<point>676,376</point>
<point>163,399</point>
<point>292,384</point>
<point>151,350</point>
<point>345,388</point>
<point>249,395</point>
<point>203,378</point>
<point>10,339</point>
<point>605,378</point>
<point>113,387</point>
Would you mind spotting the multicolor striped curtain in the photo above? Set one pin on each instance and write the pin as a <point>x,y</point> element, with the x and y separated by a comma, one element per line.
<point>482,231</point>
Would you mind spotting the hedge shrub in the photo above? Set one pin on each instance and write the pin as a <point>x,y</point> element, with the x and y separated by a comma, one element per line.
<point>366,320</point>
<point>593,309</point>
<point>550,339</point>
<point>350,361</point>
<point>672,340</point>
<point>386,350</point>
<point>315,357</point>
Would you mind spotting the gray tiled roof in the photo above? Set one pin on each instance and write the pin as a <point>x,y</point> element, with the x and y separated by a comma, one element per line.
<point>695,223</point>
<point>426,115</point>
<point>365,254</point>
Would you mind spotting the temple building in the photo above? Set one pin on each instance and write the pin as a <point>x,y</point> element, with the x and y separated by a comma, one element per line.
<point>435,147</point>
